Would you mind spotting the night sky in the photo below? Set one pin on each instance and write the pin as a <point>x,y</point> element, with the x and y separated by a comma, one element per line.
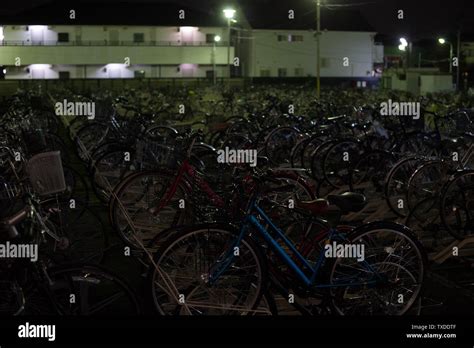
<point>423,19</point>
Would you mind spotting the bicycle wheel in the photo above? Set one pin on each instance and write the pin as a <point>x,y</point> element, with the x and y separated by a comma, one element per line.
<point>90,137</point>
<point>387,281</point>
<point>81,232</point>
<point>180,281</point>
<point>339,162</point>
<point>279,143</point>
<point>297,152</point>
<point>163,134</point>
<point>425,221</point>
<point>396,184</point>
<point>457,205</point>
<point>309,149</point>
<point>130,207</point>
<point>108,171</point>
<point>83,290</point>
<point>426,182</point>
<point>369,173</point>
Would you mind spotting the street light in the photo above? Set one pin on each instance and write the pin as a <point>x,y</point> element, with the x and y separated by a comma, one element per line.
<point>442,41</point>
<point>217,39</point>
<point>405,47</point>
<point>229,13</point>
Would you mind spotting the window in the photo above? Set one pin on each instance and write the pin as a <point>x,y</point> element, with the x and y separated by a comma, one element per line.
<point>282,72</point>
<point>210,74</point>
<point>295,38</point>
<point>63,37</point>
<point>290,38</point>
<point>64,75</point>
<point>139,74</point>
<point>138,37</point>
<point>265,73</point>
<point>210,38</point>
<point>324,62</point>
<point>299,72</point>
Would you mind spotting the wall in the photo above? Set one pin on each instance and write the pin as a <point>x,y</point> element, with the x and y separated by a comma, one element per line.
<point>47,71</point>
<point>258,50</point>
<point>112,54</point>
<point>271,54</point>
<point>49,34</point>
<point>436,83</point>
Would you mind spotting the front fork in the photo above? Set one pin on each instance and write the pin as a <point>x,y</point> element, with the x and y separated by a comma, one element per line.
<point>222,264</point>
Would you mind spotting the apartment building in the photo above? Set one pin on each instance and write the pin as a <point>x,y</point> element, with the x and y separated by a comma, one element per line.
<point>256,44</point>
<point>59,51</point>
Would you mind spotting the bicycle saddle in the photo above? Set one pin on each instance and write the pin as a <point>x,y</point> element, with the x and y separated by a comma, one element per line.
<point>348,201</point>
<point>317,206</point>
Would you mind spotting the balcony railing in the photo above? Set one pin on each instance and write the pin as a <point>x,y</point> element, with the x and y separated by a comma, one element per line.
<point>109,43</point>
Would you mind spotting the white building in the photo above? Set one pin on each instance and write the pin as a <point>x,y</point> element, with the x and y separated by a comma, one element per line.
<point>186,48</point>
<point>292,53</point>
<point>40,51</point>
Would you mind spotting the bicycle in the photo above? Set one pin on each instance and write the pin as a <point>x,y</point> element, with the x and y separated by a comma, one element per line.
<point>218,269</point>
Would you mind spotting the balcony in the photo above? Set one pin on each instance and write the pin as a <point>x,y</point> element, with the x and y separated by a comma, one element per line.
<point>94,53</point>
<point>113,43</point>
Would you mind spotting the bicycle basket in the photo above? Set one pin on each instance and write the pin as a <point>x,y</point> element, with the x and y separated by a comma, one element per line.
<point>152,154</point>
<point>45,171</point>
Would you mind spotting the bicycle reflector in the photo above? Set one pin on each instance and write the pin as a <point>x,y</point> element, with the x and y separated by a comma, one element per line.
<point>45,171</point>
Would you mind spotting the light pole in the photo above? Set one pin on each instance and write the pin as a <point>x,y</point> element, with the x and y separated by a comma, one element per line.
<point>403,47</point>
<point>217,38</point>
<point>318,48</point>
<point>442,41</point>
<point>458,53</point>
<point>229,14</point>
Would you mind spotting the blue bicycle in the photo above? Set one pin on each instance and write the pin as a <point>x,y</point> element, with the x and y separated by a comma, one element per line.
<point>214,269</point>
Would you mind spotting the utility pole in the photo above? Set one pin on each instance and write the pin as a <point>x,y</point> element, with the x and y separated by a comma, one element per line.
<point>228,46</point>
<point>458,68</point>
<point>318,48</point>
<point>214,73</point>
<point>451,59</point>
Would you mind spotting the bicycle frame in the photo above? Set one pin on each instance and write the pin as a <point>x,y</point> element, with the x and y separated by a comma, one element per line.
<point>250,219</point>
<point>187,169</point>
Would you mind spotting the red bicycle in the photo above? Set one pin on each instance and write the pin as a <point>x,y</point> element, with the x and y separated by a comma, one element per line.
<point>148,202</point>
